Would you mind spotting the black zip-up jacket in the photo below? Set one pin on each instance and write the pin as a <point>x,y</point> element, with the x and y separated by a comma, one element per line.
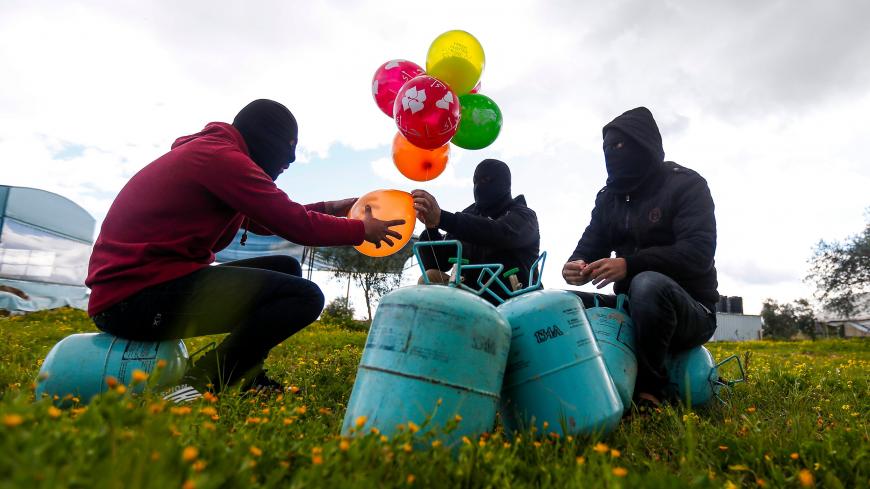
<point>667,225</point>
<point>511,239</point>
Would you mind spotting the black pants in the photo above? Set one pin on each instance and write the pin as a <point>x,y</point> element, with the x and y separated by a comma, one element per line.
<point>260,302</point>
<point>666,320</point>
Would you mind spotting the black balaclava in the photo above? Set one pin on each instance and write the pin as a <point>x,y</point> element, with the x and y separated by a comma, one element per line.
<point>640,153</point>
<point>627,162</point>
<point>492,187</point>
<point>270,131</point>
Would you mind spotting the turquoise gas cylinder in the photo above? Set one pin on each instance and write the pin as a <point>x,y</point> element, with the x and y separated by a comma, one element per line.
<point>555,373</point>
<point>694,375</point>
<point>79,364</point>
<point>614,331</point>
<point>432,353</point>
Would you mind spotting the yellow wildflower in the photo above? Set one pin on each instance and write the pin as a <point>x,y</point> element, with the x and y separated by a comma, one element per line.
<point>344,445</point>
<point>600,448</point>
<point>180,410</point>
<point>189,454</point>
<point>199,465</point>
<point>139,376</point>
<point>54,412</point>
<point>255,451</point>
<point>412,427</point>
<point>581,460</point>
<point>407,447</point>
<point>794,456</point>
<point>12,420</point>
<point>410,479</point>
<point>360,421</point>
<point>620,471</point>
<point>806,478</point>
<point>615,453</point>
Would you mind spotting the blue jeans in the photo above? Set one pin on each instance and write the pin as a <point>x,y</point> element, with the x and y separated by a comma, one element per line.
<point>666,320</point>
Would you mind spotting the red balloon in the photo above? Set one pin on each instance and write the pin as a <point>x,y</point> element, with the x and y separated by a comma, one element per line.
<point>426,112</point>
<point>476,88</point>
<point>389,78</point>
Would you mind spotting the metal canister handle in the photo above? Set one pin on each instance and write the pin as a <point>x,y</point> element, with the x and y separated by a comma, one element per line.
<point>538,264</point>
<point>454,281</point>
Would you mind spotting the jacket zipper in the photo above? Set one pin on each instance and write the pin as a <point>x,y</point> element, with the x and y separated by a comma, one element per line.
<point>245,225</point>
<point>627,203</point>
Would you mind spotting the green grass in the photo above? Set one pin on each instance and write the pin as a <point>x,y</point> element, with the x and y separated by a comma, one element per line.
<point>800,419</point>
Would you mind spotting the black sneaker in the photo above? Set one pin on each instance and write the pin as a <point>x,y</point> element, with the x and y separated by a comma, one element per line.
<point>182,394</point>
<point>263,383</point>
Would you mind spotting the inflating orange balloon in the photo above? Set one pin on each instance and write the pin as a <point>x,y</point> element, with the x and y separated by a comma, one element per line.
<point>386,205</point>
<point>416,163</point>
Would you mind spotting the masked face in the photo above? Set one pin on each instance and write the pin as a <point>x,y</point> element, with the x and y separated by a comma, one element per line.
<point>492,187</point>
<point>627,162</point>
<point>270,132</point>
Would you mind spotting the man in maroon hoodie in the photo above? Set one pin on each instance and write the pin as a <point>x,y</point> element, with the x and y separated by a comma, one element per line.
<point>149,272</point>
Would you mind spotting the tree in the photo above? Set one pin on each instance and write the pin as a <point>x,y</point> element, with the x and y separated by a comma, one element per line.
<point>777,320</point>
<point>338,312</point>
<point>782,321</point>
<point>841,271</point>
<point>376,276</point>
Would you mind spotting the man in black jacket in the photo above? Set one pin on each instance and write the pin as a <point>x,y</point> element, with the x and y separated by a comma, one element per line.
<point>496,228</point>
<point>658,218</point>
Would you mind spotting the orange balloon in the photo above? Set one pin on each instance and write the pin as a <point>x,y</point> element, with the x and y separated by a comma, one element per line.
<point>386,205</point>
<point>416,163</point>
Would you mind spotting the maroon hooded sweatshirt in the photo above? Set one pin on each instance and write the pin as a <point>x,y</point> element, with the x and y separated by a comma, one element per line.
<point>177,212</point>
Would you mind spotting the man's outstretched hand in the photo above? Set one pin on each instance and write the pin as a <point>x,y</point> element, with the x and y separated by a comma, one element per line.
<point>339,208</point>
<point>601,272</point>
<point>377,230</point>
<point>428,211</point>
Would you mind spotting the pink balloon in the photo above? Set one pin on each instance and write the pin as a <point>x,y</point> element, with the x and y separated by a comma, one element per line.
<point>389,78</point>
<point>426,112</point>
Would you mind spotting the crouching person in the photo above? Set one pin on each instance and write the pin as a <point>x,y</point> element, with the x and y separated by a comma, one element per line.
<point>149,272</point>
<point>657,217</point>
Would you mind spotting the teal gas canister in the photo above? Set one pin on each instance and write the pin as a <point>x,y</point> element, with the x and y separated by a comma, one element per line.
<point>555,373</point>
<point>694,375</point>
<point>433,352</point>
<point>614,331</point>
<point>79,364</point>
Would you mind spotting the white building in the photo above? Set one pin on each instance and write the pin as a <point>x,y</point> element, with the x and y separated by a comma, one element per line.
<point>737,327</point>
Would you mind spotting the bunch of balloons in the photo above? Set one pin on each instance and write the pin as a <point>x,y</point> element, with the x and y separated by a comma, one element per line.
<point>431,108</point>
<point>435,107</point>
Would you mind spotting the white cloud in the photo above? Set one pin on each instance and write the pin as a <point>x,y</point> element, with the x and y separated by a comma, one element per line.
<point>773,117</point>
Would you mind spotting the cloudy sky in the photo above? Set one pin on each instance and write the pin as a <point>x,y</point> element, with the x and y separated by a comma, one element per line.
<point>769,101</point>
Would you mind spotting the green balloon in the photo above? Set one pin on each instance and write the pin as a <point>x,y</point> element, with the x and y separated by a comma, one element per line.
<point>479,122</point>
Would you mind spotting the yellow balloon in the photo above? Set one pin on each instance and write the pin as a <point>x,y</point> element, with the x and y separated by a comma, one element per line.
<point>457,59</point>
